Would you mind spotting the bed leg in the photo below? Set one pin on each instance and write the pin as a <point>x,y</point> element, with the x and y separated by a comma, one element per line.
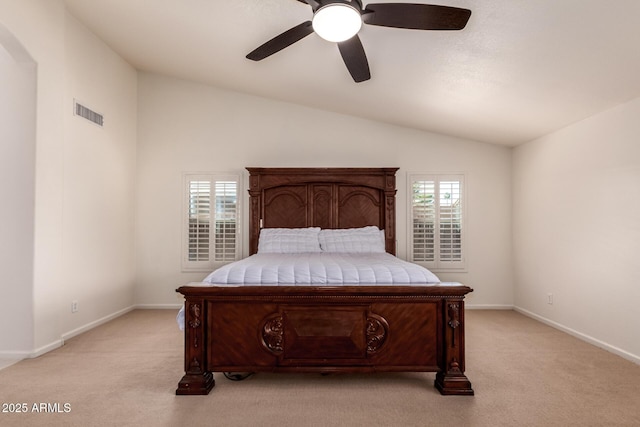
<point>195,384</point>
<point>451,379</point>
<point>196,380</point>
<point>453,384</point>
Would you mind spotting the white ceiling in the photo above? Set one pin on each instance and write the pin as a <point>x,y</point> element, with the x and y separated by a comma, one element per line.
<point>519,70</point>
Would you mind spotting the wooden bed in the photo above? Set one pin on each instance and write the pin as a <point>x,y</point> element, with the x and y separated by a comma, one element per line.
<point>327,329</point>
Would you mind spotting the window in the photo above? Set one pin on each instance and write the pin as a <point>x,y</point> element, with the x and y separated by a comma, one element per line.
<point>436,221</point>
<point>211,221</point>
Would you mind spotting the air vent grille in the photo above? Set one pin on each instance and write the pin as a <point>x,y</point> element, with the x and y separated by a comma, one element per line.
<point>87,113</point>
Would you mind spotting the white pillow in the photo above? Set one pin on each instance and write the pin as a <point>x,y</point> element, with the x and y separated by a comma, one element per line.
<point>353,240</point>
<point>289,240</point>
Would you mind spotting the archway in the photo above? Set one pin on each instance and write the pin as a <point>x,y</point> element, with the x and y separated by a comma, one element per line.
<point>17,196</point>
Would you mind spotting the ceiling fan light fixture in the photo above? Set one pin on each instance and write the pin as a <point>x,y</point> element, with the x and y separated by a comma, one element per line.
<point>337,22</point>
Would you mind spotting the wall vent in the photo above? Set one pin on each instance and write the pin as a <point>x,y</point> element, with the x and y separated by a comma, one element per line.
<point>87,113</point>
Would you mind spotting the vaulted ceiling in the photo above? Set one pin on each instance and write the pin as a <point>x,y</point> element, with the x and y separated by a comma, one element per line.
<point>519,70</point>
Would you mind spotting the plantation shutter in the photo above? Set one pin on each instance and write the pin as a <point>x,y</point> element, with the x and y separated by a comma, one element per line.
<point>199,220</point>
<point>450,216</point>
<point>226,224</point>
<point>424,221</point>
<point>212,221</point>
<point>436,218</point>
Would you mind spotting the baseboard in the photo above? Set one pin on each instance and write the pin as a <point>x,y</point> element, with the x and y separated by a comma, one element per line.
<point>96,323</point>
<point>488,307</point>
<point>115,315</point>
<point>46,349</point>
<point>601,344</point>
<point>19,355</point>
<point>158,306</point>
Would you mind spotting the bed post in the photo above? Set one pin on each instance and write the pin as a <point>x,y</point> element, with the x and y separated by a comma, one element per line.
<point>390,210</point>
<point>451,378</point>
<point>255,213</point>
<point>196,380</point>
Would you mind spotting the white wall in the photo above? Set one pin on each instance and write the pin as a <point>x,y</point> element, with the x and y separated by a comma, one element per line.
<point>187,127</point>
<point>39,27</point>
<point>576,219</point>
<point>84,177</point>
<point>17,193</point>
<point>99,180</point>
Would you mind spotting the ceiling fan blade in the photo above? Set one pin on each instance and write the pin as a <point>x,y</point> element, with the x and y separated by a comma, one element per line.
<point>355,59</point>
<point>313,3</point>
<point>281,41</point>
<point>416,16</point>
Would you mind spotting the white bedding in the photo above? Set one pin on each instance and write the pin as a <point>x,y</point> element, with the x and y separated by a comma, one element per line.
<point>320,268</point>
<point>317,269</point>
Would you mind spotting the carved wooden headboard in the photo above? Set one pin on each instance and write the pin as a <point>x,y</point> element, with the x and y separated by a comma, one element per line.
<point>322,197</point>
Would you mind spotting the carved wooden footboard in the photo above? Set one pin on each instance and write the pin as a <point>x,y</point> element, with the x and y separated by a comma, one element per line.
<point>325,330</point>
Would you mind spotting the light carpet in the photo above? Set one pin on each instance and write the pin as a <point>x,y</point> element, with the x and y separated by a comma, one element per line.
<point>125,372</point>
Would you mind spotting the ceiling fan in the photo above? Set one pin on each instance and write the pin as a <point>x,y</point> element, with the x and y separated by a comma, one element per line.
<point>340,20</point>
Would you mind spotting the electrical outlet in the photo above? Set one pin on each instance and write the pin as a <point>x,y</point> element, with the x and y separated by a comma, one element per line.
<point>550,299</point>
<point>74,306</point>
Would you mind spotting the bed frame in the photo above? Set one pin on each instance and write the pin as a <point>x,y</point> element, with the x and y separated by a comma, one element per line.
<point>343,329</point>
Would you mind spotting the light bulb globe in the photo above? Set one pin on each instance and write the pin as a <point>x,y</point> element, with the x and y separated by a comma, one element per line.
<point>337,22</point>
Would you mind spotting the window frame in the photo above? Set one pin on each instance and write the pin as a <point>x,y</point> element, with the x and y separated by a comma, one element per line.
<point>438,265</point>
<point>213,177</point>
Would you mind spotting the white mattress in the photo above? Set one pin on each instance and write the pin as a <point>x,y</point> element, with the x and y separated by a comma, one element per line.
<point>317,269</point>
